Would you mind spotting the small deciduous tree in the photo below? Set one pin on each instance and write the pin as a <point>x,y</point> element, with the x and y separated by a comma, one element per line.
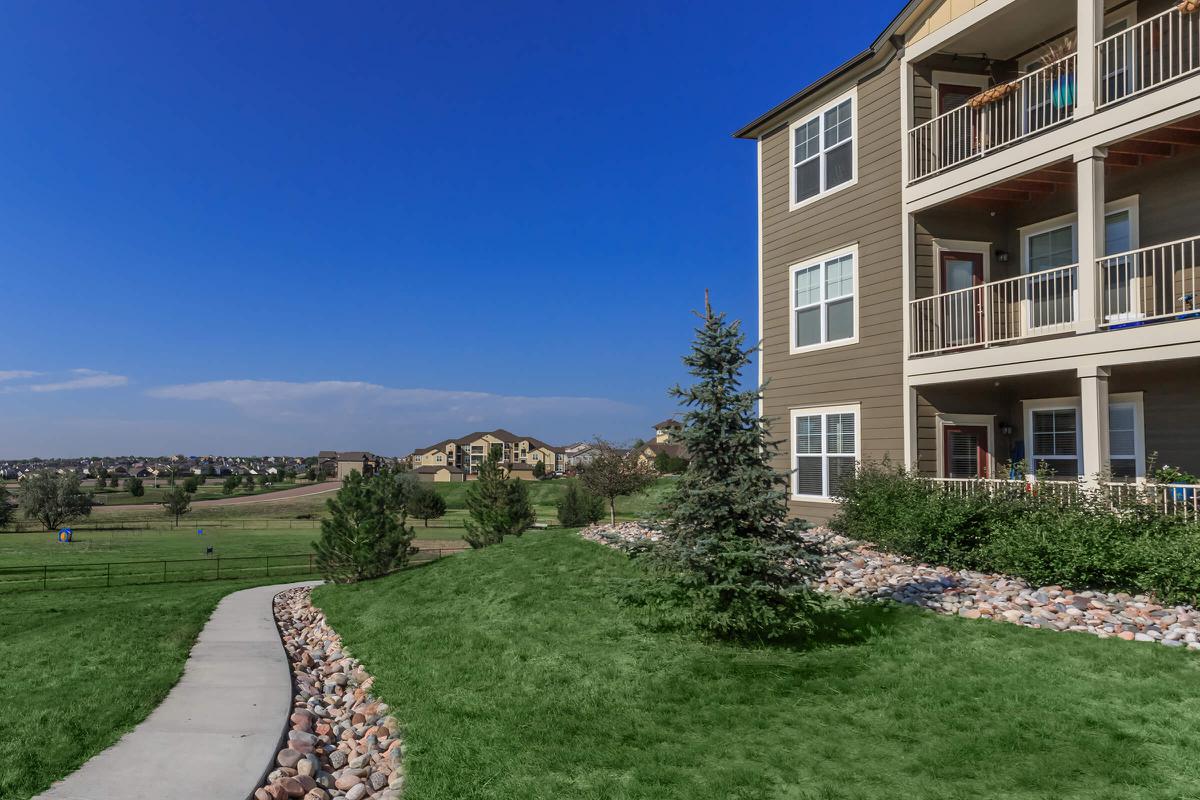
<point>248,482</point>
<point>101,482</point>
<point>53,499</point>
<point>135,487</point>
<point>579,507</point>
<point>191,484</point>
<point>231,483</point>
<point>497,505</point>
<point>615,473</point>
<point>731,557</point>
<point>177,502</point>
<point>426,504</point>
<point>366,534</point>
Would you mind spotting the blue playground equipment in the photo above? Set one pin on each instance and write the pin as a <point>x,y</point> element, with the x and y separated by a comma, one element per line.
<point>64,536</point>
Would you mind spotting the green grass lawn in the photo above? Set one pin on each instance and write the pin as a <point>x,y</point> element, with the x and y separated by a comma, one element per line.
<point>207,491</point>
<point>545,495</point>
<point>519,675</point>
<point>80,668</point>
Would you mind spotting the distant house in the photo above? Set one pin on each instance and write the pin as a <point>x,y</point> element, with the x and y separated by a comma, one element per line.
<point>442,474</point>
<point>664,433</point>
<point>578,456</point>
<point>340,464</point>
<point>468,452</point>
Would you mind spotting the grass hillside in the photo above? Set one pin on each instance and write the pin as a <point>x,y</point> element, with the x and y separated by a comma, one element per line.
<point>519,675</point>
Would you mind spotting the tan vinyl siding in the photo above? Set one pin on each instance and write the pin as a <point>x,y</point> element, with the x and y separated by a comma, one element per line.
<point>868,215</point>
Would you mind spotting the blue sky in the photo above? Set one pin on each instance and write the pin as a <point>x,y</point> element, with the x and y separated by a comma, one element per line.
<point>262,227</point>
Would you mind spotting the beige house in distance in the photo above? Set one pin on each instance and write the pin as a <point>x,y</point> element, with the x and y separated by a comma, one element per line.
<point>468,453</point>
<point>979,243</point>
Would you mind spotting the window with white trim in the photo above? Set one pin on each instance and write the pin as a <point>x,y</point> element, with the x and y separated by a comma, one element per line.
<point>824,450</point>
<point>1122,440</point>
<point>823,301</point>
<point>823,151</point>
<point>1055,441</point>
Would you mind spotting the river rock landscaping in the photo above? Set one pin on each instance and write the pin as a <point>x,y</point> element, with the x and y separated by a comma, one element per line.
<point>342,742</point>
<point>854,569</point>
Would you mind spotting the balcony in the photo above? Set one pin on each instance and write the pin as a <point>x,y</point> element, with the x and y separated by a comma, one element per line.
<point>1026,97</point>
<point>1139,287</point>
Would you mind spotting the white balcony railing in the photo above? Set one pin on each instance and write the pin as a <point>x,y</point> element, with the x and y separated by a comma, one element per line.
<point>1159,50</point>
<point>1037,304</point>
<point>994,118</point>
<point>1153,283</point>
<point>1170,498</point>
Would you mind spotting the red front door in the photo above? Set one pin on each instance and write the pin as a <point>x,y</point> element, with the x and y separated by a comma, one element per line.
<point>965,451</point>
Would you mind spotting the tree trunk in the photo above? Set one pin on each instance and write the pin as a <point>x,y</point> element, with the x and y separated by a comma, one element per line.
<point>612,509</point>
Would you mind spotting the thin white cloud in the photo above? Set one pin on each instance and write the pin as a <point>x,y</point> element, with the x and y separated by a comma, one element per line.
<point>17,374</point>
<point>320,398</point>
<point>83,379</point>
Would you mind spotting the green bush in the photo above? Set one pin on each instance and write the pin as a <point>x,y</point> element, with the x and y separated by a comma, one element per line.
<point>1083,543</point>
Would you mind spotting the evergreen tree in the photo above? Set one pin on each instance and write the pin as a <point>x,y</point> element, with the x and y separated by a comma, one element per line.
<point>101,482</point>
<point>7,507</point>
<point>248,482</point>
<point>231,483</point>
<point>497,505</point>
<point>365,535</point>
<point>731,557</point>
<point>426,504</point>
<point>177,502</point>
<point>539,469</point>
<point>579,507</point>
<point>135,487</point>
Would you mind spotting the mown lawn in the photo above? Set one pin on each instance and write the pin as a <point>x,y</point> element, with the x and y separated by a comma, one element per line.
<point>519,675</point>
<point>80,668</point>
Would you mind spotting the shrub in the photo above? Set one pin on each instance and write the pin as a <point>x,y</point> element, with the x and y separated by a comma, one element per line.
<point>426,504</point>
<point>365,535</point>
<point>579,507</point>
<point>497,506</point>
<point>54,500</point>
<point>135,487</point>
<point>1083,543</point>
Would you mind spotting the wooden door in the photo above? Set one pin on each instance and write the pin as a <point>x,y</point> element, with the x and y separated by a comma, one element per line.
<point>962,309</point>
<point>965,451</point>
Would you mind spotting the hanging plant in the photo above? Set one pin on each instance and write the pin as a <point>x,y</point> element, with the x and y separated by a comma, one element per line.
<point>997,92</point>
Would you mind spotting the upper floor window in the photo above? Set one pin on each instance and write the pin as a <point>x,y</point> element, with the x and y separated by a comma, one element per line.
<point>823,301</point>
<point>824,157</point>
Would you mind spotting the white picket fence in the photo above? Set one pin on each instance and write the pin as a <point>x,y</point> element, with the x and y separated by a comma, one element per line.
<point>1173,498</point>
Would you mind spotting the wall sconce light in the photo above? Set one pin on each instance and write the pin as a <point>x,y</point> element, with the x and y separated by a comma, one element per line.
<point>1005,429</point>
<point>1002,256</point>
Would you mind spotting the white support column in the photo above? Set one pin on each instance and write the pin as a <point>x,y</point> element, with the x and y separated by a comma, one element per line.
<point>906,119</point>
<point>910,406</point>
<point>1093,398</point>
<point>1090,30</point>
<point>1089,184</point>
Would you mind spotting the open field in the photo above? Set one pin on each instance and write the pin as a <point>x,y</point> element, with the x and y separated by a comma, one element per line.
<point>80,668</point>
<point>518,673</point>
<point>207,491</point>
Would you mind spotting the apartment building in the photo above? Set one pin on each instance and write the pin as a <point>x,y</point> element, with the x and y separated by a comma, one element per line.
<point>979,242</point>
<point>468,453</point>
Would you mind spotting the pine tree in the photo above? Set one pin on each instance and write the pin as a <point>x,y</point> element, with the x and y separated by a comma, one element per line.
<point>426,504</point>
<point>365,535</point>
<point>497,505</point>
<point>732,557</point>
<point>579,507</point>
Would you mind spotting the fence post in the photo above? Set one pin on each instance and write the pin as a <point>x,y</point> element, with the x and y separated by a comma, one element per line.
<point>268,559</point>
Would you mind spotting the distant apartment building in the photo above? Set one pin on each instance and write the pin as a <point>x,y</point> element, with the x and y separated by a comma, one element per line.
<point>664,442</point>
<point>339,464</point>
<point>460,459</point>
<point>979,243</point>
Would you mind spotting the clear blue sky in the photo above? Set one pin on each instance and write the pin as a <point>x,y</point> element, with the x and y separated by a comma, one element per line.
<point>265,227</point>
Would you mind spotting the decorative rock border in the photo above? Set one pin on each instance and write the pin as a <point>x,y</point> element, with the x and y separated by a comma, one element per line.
<point>341,741</point>
<point>853,569</point>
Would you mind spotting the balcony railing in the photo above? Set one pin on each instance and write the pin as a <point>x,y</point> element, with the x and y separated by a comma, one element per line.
<point>1153,283</point>
<point>996,117</point>
<point>1037,304</point>
<point>1154,52</point>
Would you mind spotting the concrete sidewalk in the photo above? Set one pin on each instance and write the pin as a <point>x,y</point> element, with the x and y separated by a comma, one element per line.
<point>218,730</point>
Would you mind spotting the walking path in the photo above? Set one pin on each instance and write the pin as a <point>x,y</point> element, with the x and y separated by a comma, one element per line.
<point>217,733</point>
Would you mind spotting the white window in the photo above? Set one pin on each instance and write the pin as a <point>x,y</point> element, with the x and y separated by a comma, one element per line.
<point>825,450</point>
<point>823,152</point>
<point>823,301</point>
<point>1054,435</point>
<point>438,459</point>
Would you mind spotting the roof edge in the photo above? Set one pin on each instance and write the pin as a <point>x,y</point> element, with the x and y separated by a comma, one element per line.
<point>752,129</point>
